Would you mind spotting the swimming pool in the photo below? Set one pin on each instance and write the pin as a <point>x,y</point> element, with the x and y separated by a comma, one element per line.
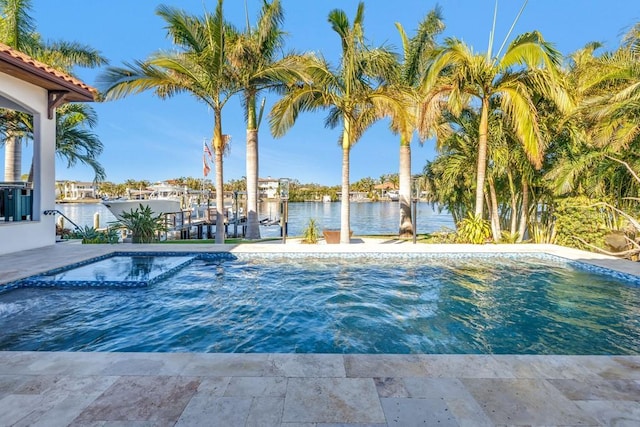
<point>333,303</point>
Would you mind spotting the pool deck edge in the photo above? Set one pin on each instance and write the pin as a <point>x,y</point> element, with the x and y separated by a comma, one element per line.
<point>23,264</point>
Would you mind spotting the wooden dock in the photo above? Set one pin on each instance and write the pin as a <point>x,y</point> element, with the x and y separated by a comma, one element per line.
<point>189,227</point>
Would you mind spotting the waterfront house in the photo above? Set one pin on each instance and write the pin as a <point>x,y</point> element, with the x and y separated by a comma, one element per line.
<point>268,188</point>
<point>75,190</point>
<point>27,208</point>
<point>387,191</point>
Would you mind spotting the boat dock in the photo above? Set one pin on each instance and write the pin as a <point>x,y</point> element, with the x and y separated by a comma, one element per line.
<point>184,225</point>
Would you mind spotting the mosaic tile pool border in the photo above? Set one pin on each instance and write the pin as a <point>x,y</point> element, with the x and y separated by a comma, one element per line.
<point>556,259</point>
<point>45,281</point>
<point>228,256</point>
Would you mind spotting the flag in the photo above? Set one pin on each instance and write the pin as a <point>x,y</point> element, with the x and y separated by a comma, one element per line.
<point>207,151</point>
<point>205,167</point>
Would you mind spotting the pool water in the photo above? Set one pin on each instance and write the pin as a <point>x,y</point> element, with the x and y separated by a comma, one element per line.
<point>498,304</point>
<point>114,271</point>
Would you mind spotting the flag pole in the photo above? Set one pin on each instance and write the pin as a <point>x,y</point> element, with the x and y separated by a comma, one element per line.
<point>204,142</point>
<point>206,152</point>
<point>203,168</point>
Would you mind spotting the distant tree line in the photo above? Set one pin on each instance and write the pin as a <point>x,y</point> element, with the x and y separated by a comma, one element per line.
<point>298,192</point>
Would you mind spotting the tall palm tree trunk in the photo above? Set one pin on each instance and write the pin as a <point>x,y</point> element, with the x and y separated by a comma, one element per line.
<point>253,223</point>
<point>220,211</point>
<point>12,158</point>
<point>524,217</point>
<point>482,156</point>
<point>218,148</point>
<point>406,221</point>
<point>345,225</point>
<point>495,216</point>
<point>514,203</point>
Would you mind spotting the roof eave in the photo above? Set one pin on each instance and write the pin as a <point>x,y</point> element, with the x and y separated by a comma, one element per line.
<point>17,67</point>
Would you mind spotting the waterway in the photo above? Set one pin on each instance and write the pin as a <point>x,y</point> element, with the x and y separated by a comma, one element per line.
<point>370,218</point>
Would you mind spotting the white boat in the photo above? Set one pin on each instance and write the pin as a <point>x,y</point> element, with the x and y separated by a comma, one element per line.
<point>161,198</point>
<point>393,195</point>
<point>326,198</point>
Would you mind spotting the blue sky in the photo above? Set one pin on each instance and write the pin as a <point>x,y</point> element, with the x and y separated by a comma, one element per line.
<point>147,138</point>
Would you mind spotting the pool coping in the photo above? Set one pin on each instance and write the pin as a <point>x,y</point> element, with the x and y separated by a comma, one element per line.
<point>46,278</point>
<point>23,264</point>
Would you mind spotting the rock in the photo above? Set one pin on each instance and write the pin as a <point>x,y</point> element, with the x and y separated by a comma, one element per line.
<point>616,241</point>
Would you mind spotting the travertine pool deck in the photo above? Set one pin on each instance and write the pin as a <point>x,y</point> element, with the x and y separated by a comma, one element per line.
<point>191,389</point>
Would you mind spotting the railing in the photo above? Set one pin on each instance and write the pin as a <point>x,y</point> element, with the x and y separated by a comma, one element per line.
<point>55,211</point>
<point>183,221</point>
<point>16,201</point>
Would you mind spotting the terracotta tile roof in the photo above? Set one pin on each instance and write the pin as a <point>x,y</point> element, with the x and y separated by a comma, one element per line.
<point>385,186</point>
<point>42,74</point>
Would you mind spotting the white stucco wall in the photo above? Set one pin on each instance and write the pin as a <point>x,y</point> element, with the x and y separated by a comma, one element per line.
<point>18,236</point>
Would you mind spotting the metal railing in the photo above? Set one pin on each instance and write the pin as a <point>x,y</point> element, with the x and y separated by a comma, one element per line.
<point>55,211</point>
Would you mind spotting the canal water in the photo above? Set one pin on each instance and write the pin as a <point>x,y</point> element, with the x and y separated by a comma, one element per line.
<point>369,218</point>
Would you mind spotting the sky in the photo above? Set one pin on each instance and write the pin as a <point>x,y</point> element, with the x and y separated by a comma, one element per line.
<point>148,138</point>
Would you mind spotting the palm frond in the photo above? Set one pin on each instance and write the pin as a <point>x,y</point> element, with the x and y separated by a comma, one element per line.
<point>520,111</point>
<point>17,27</point>
<point>532,51</point>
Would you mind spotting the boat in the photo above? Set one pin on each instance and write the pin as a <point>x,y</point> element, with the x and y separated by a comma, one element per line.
<point>393,195</point>
<point>326,198</point>
<point>268,222</point>
<point>160,198</point>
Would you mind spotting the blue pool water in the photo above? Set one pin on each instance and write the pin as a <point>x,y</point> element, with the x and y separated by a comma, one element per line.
<point>114,271</point>
<point>391,303</point>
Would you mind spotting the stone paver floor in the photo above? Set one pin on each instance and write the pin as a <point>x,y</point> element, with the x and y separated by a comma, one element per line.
<point>193,389</point>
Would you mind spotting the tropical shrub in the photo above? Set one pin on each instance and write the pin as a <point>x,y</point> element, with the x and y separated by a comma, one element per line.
<point>90,235</point>
<point>473,229</point>
<point>578,221</point>
<point>543,232</point>
<point>64,233</point>
<point>142,223</point>
<point>311,232</point>
<point>508,237</point>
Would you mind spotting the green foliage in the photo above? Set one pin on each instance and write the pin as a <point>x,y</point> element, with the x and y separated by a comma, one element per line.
<point>507,237</point>
<point>543,232</point>
<point>575,217</point>
<point>74,140</point>
<point>443,236</point>
<point>311,232</point>
<point>473,229</point>
<point>142,223</point>
<point>64,233</point>
<point>90,235</point>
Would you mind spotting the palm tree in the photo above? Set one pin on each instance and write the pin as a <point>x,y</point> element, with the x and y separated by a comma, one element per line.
<point>74,142</point>
<point>416,51</point>
<point>255,66</point>
<point>596,147</point>
<point>17,27</point>
<point>460,75</point>
<point>198,67</point>
<point>631,40</point>
<point>449,177</point>
<point>351,93</point>
<point>17,30</point>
